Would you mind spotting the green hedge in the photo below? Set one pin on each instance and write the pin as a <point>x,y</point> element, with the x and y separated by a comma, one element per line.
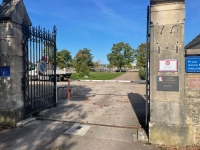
<point>142,73</point>
<point>97,76</point>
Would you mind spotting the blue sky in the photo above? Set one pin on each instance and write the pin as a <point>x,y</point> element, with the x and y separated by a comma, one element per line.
<point>98,24</point>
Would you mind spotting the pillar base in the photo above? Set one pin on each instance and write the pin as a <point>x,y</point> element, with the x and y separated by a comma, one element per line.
<point>171,135</point>
<point>10,117</point>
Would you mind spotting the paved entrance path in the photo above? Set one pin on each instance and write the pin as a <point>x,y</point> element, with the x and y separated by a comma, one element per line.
<point>113,104</point>
<point>129,76</point>
<point>105,116</point>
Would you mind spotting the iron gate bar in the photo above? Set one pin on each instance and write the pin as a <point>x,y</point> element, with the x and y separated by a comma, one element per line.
<point>38,45</point>
<point>147,68</point>
<point>55,77</point>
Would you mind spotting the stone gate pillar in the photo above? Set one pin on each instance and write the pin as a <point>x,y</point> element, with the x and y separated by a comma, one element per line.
<point>12,14</point>
<point>168,123</point>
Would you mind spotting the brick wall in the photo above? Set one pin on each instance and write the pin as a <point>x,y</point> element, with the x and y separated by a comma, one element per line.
<point>192,98</point>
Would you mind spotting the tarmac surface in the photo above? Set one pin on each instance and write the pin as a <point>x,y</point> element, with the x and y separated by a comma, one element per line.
<point>99,116</point>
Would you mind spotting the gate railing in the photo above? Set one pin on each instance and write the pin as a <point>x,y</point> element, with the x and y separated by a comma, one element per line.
<point>39,79</point>
<point>147,115</point>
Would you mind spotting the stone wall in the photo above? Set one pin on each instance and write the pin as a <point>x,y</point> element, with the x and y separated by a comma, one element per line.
<point>12,15</point>
<point>192,99</point>
<point>11,54</point>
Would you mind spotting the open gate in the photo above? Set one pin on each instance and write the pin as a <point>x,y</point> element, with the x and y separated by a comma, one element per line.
<point>147,117</point>
<point>39,79</point>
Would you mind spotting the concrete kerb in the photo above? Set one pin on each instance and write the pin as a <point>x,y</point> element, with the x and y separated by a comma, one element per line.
<point>120,81</point>
<point>141,135</point>
<point>25,122</point>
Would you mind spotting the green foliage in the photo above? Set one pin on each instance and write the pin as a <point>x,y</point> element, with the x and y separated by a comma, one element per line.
<point>83,62</point>
<point>76,75</point>
<point>88,56</point>
<point>121,55</point>
<point>140,55</point>
<point>63,59</point>
<point>129,66</point>
<point>48,53</point>
<point>98,76</point>
<point>142,73</point>
<point>61,65</point>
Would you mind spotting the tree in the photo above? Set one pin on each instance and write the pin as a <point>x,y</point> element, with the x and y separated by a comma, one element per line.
<point>121,55</point>
<point>48,52</point>
<point>88,56</point>
<point>83,61</point>
<point>140,55</point>
<point>96,64</point>
<point>64,59</point>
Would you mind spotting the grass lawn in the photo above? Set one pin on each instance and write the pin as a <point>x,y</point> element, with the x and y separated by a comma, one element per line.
<point>101,76</point>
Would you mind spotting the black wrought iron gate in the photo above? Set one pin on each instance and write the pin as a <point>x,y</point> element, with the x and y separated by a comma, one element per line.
<point>39,79</point>
<point>148,68</point>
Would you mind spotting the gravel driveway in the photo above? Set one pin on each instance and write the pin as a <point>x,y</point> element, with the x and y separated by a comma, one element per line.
<point>129,76</point>
<point>114,104</point>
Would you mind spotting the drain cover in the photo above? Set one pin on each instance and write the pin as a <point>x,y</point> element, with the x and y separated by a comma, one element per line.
<point>78,129</point>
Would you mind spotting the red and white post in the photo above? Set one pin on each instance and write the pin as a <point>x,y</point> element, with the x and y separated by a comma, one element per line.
<point>68,90</point>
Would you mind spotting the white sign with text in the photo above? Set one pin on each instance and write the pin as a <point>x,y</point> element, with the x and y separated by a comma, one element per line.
<point>168,65</point>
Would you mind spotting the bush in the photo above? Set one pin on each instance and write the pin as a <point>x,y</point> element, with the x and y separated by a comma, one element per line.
<point>142,73</point>
<point>81,75</point>
<point>92,75</point>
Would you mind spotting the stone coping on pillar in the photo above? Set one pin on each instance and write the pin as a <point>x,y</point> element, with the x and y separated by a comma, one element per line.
<point>192,52</point>
<point>155,2</point>
<point>15,11</point>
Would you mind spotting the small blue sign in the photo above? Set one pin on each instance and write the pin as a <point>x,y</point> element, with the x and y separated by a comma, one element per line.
<point>42,66</point>
<point>4,71</point>
<point>192,64</point>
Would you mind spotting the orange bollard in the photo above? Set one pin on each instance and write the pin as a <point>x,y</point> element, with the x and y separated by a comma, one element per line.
<point>68,89</point>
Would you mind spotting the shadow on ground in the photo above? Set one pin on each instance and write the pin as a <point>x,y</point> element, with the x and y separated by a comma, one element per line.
<point>34,136</point>
<point>76,95</point>
<point>139,106</point>
<point>38,135</point>
<point>65,107</point>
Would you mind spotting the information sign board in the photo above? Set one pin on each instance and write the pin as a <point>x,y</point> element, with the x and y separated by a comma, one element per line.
<point>4,71</point>
<point>192,64</point>
<point>167,83</point>
<point>168,65</point>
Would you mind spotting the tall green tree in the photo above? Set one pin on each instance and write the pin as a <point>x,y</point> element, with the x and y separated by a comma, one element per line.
<point>63,58</point>
<point>121,55</point>
<point>140,55</point>
<point>88,56</point>
<point>83,61</point>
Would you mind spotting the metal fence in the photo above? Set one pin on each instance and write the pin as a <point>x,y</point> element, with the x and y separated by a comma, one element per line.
<point>39,79</point>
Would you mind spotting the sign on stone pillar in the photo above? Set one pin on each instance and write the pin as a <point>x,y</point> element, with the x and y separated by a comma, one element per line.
<point>11,61</point>
<point>167,119</point>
